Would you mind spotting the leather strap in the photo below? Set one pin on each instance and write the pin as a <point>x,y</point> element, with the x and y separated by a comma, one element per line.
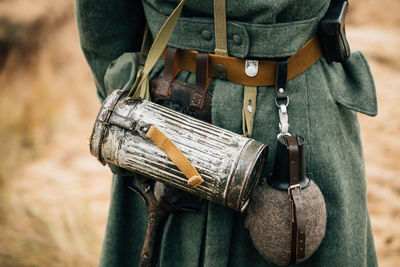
<point>266,76</point>
<point>169,65</point>
<point>176,156</point>
<point>221,45</point>
<point>281,78</point>
<point>297,225</point>
<point>202,80</point>
<point>294,159</point>
<point>163,88</point>
<point>202,69</point>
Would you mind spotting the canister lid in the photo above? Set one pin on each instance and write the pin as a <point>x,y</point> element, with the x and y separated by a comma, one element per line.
<point>99,128</point>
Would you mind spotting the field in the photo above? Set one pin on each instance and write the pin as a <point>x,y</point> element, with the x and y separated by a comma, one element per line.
<point>54,195</point>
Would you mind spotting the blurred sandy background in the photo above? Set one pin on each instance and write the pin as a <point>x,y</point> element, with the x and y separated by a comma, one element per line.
<point>54,196</point>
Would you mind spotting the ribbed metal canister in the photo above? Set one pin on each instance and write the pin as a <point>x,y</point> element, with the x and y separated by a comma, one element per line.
<point>230,164</point>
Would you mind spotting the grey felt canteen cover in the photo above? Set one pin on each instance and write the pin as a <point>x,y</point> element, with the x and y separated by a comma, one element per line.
<point>268,221</point>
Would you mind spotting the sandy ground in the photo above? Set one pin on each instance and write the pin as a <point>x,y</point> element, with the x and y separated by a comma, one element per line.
<point>68,190</point>
<point>381,153</point>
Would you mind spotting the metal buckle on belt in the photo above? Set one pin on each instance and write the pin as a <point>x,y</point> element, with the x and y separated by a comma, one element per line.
<point>251,67</point>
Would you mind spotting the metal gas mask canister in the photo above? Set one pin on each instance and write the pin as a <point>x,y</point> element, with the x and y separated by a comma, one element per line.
<point>229,163</point>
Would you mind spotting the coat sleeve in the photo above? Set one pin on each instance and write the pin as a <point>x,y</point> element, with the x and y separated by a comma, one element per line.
<point>107,29</point>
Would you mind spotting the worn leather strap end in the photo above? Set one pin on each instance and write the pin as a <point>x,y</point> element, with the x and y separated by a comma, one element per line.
<point>175,155</point>
<point>170,71</point>
<point>195,181</point>
<point>161,87</point>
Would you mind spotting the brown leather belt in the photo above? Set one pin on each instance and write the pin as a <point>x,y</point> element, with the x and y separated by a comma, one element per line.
<point>235,67</point>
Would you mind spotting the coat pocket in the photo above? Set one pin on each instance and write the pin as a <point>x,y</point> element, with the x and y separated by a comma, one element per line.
<point>121,73</point>
<point>354,85</point>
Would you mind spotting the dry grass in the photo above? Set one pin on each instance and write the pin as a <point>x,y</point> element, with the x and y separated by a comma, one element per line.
<point>42,72</point>
<point>25,127</point>
<point>29,104</point>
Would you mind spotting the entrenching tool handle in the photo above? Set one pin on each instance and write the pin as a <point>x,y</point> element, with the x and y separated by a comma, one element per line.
<point>176,156</point>
<point>155,225</point>
<point>158,213</point>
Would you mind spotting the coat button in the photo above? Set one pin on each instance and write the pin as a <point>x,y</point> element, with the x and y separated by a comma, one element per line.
<point>206,35</point>
<point>237,39</point>
<point>220,71</point>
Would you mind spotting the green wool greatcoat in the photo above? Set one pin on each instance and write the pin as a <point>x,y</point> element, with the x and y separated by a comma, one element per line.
<point>324,101</point>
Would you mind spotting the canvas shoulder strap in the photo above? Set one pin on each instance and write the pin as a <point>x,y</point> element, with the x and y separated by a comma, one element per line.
<point>221,46</point>
<point>140,89</point>
<point>146,43</point>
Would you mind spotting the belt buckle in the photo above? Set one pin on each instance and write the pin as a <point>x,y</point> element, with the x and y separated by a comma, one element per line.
<point>251,67</point>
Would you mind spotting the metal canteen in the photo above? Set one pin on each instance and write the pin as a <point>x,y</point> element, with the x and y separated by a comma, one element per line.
<point>229,163</point>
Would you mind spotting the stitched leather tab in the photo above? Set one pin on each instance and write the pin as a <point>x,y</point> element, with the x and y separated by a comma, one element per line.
<point>201,69</point>
<point>202,80</point>
<point>281,78</point>
<point>161,88</point>
<point>170,53</point>
<point>164,88</point>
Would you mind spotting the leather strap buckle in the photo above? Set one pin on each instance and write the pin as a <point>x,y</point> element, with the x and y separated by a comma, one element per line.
<point>293,187</point>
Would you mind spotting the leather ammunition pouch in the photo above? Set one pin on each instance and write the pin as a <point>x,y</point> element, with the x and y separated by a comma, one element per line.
<point>332,32</point>
<point>194,97</point>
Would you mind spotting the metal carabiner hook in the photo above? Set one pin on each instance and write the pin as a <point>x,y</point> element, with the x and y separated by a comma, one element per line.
<point>283,121</point>
<point>279,105</point>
